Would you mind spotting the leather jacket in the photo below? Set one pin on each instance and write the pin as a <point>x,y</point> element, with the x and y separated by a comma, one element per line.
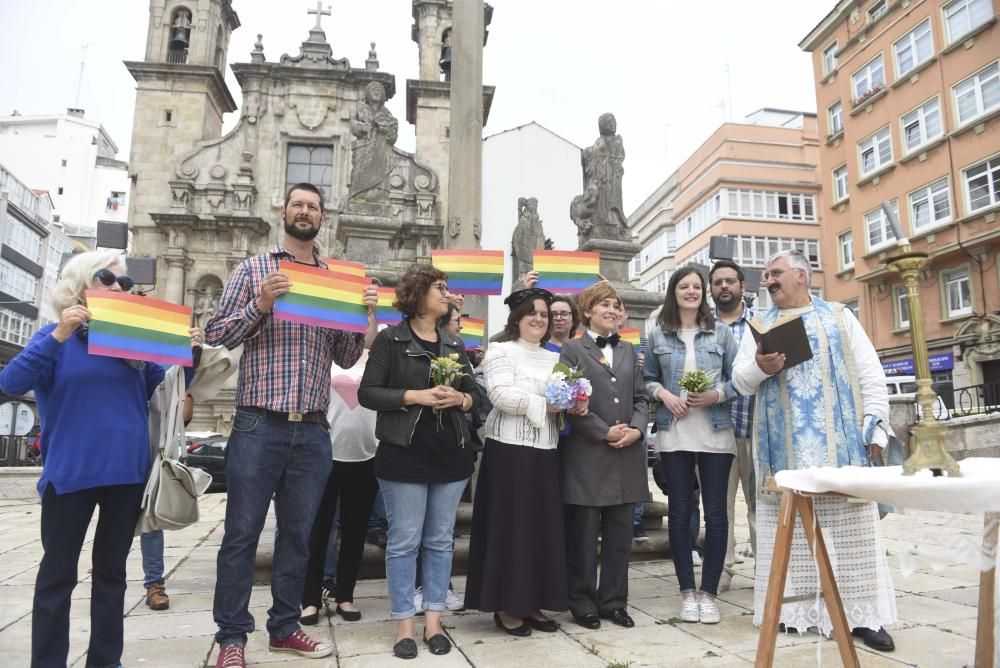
<point>396,364</point>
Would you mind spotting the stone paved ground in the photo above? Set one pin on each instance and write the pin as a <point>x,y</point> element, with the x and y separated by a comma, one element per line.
<point>937,607</point>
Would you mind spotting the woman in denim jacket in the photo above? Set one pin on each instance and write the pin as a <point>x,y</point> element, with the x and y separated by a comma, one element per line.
<point>693,430</point>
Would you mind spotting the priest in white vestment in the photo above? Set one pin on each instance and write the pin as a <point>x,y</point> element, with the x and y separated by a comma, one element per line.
<point>831,410</point>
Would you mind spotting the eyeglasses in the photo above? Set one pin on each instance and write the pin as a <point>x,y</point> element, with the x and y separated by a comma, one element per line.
<point>108,278</point>
<point>442,287</point>
<point>561,315</point>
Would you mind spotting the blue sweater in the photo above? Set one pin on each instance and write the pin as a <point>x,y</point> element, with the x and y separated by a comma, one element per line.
<point>94,412</point>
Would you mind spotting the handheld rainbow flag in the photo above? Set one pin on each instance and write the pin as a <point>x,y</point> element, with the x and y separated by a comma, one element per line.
<point>345,267</point>
<point>323,298</point>
<point>385,312</point>
<point>138,328</point>
<point>630,334</point>
<point>471,272</point>
<point>473,331</point>
<point>566,272</point>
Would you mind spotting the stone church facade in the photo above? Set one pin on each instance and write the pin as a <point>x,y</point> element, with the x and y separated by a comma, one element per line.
<point>202,202</point>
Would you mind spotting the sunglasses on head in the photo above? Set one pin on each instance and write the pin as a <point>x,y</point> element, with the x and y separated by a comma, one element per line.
<point>108,278</point>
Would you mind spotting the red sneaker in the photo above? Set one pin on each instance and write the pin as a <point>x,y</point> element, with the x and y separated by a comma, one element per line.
<point>231,656</point>
<point>301,644</point>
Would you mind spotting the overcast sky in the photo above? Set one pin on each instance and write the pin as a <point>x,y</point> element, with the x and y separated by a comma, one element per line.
<point>659,65</point>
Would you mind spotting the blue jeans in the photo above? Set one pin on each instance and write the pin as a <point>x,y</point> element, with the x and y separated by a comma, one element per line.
<point>713,475</point>
<point>637,514</point>
<point>421,519</point>
<point>151,546</point>
<point>377,519</point>
<point>267,456</point>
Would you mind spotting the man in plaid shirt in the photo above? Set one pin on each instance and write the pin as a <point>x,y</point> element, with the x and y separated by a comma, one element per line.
<point>727,284</point>
<point>280,443</point>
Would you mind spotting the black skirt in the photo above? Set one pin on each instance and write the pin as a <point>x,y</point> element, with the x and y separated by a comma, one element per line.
<point>517,553</point>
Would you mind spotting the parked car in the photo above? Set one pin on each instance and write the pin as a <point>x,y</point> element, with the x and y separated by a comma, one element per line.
<point>906,387</point>
<point>210,455</point>
<point>193,438</point>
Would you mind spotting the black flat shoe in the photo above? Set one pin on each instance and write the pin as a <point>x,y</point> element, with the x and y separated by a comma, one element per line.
<point>588,621</point>
<point>309,620</point>
<point>438,644</point>
<point>520,631</point>
<point>878,640</point>
<point>405,648</point>
<point>620,617</point>
<point>543,625</point>
<point>349,615</point>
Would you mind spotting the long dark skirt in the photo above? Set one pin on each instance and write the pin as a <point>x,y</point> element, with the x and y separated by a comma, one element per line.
<point>517,554</point>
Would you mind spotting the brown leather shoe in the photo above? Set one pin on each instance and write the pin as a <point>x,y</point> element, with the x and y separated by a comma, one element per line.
<point>156,597</point>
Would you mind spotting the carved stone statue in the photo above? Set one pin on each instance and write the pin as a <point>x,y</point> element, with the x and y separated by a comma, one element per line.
<point>375,130</point>
<point>528,236</point>
<point>582,211</point>
<point>602,173</point>
<point>205,302</point>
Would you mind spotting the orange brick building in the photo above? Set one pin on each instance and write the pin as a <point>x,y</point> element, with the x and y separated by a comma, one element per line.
<point>908,99</point>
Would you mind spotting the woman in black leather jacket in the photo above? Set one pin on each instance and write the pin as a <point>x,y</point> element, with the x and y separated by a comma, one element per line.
<point>422,463</point>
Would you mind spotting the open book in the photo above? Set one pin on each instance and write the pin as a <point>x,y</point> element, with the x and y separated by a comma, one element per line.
<point>787,336</point>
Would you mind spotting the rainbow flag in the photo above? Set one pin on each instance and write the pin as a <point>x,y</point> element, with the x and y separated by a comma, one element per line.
<point>323,298</point>
<point>473,331</point>
<point>566,272</point>
<point>138,328</point>
<point>471,272</point>
<point>385,312</point>
<point>630,334</point>
<point>345,267</point>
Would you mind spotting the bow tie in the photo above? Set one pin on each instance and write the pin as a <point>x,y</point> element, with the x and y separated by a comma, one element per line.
<point>612,341</point>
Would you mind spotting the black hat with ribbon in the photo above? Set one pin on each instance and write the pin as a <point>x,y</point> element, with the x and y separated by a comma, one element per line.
<point>518,297</point>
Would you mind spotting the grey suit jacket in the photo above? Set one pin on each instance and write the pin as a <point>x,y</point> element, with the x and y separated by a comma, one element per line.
<point>594,473</point>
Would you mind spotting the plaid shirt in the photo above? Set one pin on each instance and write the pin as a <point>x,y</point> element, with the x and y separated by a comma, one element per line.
<point>741,408</point>
<point>285,366</point>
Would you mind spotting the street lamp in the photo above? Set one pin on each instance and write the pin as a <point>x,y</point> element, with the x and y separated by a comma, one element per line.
<point>929,434</point>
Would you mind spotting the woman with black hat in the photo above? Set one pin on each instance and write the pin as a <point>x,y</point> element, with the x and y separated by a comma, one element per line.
<point>517,555</point>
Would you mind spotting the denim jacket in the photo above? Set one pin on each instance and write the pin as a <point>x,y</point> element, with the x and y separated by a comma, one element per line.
<point>714,350</point>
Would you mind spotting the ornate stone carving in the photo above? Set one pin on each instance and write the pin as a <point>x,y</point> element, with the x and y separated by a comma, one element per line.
<point>528,236</point>
<point>454,226</point>
<point>310,119</point>
<point>218,172</point>
<point>206,300</point>
<point>602,173</point>
<point>376,131</point>
<point>581,212</point>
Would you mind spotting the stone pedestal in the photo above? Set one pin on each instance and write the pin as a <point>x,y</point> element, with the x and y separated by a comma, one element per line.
<point>367,231</point>
<point>615,258</point>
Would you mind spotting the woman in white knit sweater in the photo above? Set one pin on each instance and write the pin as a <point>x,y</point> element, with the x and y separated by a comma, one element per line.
<point>517,553</point>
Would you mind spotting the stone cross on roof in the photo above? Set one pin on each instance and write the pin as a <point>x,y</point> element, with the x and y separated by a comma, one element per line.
<point>320,13</point>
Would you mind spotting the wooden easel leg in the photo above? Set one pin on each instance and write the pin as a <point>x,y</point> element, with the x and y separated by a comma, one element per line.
<point>987,592</point>
<point>776,582</point>
<point>828,582</point>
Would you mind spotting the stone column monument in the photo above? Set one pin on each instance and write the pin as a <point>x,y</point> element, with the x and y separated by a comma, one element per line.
<point>465,155</point>
<point>601,222</point>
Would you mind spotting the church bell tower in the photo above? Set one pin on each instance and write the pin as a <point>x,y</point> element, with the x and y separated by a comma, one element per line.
<point>181,97</point>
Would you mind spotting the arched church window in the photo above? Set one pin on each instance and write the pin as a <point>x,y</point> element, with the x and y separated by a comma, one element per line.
<point>180,36</point>
<point>310,164</point>
<point>220,52</point>
<point>445,62</point>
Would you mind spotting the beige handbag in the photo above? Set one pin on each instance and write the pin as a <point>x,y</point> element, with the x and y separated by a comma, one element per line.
<point>171,498</point>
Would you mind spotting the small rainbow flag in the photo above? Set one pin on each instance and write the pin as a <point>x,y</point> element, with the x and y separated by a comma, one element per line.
<point>473,331</point>
<point>138,328</point>
<point>630,334</point>
<point>471,272</point>
<point>385,312</point>
<point>566,272</point>
<point>323,298</point>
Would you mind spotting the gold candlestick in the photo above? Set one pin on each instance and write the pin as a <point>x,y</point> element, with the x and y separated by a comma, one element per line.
<point>929,451</point>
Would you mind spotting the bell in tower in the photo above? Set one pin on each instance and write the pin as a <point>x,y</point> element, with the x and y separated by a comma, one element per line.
<point>180,37</point>
<point>445,62</point>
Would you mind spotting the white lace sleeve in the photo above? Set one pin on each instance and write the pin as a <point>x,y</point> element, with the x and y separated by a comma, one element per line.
<point>506,397</point>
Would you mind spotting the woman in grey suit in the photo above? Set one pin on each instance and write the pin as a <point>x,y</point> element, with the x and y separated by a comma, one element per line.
<point>603,463</point>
